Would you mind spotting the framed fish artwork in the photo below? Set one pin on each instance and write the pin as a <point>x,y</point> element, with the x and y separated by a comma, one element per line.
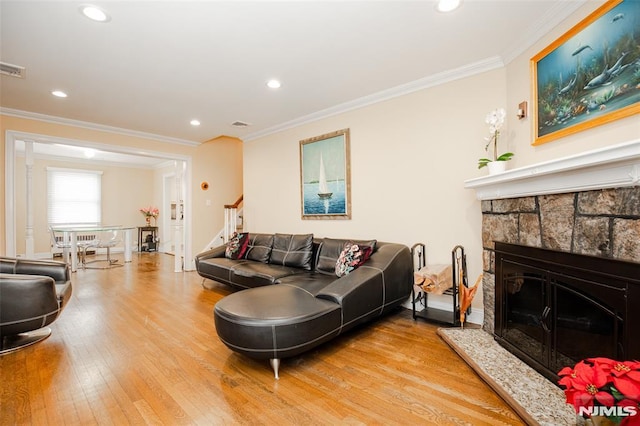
<point>325,176</point>
<point>591,75</point>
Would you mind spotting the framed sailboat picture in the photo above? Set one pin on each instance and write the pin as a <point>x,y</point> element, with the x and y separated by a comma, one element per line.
<point>325,176</point>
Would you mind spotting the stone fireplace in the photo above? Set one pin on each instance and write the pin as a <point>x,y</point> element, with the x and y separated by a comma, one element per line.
<point>602,223</point>
<point>579,206</point>
<point>584,204</point>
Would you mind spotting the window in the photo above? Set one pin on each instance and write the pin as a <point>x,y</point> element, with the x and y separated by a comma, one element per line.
<point>73,196</point>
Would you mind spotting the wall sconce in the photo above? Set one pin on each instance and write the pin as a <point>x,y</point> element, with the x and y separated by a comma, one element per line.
<point>522,110</point>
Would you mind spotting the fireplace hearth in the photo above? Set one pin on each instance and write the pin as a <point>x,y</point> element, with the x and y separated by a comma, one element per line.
<point>555,308</point>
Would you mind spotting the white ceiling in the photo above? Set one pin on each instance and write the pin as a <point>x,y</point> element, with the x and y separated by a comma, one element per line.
<point>158,64</point>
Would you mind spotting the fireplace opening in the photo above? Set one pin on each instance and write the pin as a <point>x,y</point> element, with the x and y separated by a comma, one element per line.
<point>554,308</point>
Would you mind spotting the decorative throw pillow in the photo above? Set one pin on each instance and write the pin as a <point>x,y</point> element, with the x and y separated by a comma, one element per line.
<point>351,257</point>
<point>237,245</point>
<point>330,250</point>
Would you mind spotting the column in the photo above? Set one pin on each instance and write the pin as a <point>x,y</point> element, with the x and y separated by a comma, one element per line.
<point>29,239</point>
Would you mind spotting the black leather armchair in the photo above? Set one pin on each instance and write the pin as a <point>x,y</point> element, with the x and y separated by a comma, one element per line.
<point>32,295</point>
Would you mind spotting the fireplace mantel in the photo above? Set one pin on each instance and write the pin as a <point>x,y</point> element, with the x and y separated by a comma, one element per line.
<point>611,167</point>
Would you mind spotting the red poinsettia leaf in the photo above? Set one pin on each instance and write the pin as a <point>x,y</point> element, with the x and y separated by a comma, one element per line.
<point>568,382</point>
<point>622,368</point>
<point>631,420</point>
<point>565,371</point>
<point>628,403</point>
<point>633,375</point>
<point>629,388</point>
<point>582,399</point>
<point>570,395</point>
<point>583,372</point>
<point>600,360</point>
<point>605,399</point>
<point>600,376</point>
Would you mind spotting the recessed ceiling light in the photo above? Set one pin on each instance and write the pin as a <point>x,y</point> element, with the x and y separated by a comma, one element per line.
<point>195,122</point>
<point>59,93</point>
<point>94,13</point>
<point>274,84</point>
<point>448,5</point>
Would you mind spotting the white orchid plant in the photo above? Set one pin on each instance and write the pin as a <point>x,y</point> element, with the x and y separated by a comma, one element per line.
<point>495,120</point>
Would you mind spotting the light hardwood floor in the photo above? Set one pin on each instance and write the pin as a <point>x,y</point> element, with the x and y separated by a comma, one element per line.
<point>137,345</point>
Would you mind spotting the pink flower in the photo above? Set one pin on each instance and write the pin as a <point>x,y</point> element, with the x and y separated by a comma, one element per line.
<point>150,211</point>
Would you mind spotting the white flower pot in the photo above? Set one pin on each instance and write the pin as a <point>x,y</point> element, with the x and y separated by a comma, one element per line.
<point>496,167</point>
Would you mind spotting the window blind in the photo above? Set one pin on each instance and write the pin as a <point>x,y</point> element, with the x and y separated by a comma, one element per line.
<point>74,196</point>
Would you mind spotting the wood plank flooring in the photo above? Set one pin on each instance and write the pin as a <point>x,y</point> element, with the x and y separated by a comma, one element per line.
<point>137,345</point>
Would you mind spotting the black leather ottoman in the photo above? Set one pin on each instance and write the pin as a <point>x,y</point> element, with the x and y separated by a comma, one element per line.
<point>275,322</point>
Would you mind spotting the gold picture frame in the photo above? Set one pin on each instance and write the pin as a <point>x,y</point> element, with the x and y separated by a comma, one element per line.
<point>325,176</point>
<point>590,75</point>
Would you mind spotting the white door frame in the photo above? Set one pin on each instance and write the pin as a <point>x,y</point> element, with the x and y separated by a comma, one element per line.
<point>12,136</point>
<point>168,179</point>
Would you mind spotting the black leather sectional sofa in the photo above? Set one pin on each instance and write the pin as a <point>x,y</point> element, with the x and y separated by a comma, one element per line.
<point>292,299</point>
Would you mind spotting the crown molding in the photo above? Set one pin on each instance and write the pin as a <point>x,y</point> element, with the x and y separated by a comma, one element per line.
<point>404,89</point>
<point>560,11</point>
<point>554,16</point>
<point>93,126</point>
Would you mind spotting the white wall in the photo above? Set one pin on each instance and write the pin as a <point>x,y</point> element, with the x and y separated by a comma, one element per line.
<point>409,159</point>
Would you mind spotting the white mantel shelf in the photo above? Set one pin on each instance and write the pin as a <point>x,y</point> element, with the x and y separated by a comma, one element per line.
<point>611,167</point>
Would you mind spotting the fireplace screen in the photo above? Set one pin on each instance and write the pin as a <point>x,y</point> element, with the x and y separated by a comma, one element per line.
<point>552,315</point>
<point>585,327</point>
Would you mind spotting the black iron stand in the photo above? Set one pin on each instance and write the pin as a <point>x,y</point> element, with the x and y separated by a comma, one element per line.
<point>459,275</point>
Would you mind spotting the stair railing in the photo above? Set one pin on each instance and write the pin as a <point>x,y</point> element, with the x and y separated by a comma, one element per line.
<point>231,219</point>
<point>232,223</point>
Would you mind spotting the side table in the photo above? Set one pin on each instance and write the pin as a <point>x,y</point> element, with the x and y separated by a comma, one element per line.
<point>144,242</point>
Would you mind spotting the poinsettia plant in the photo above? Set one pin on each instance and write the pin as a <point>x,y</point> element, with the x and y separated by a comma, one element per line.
<point>604,387</point>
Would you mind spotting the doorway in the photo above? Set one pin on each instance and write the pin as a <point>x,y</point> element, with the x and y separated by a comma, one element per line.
<point>14,142</point>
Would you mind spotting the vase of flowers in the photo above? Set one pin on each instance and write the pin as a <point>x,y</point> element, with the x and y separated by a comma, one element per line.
<point>150,212</point>
<point>497,164</point>
<point>604,390</point>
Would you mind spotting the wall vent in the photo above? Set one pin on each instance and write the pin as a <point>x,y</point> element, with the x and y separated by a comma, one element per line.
<point>12,70</point>
<point>240,124</point>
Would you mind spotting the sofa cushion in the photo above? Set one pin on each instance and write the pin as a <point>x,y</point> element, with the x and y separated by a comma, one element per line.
<point>330,251</point>
<point>292,250</point>
<point>259,247</point>
<point>219,268</point>
<point>257,274</point>
<point>311,282</point>
<point>352,256</point>
<point>237,246</point>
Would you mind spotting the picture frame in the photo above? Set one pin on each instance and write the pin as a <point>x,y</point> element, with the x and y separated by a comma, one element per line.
<point>590,75</point>
<point>325,176</point>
